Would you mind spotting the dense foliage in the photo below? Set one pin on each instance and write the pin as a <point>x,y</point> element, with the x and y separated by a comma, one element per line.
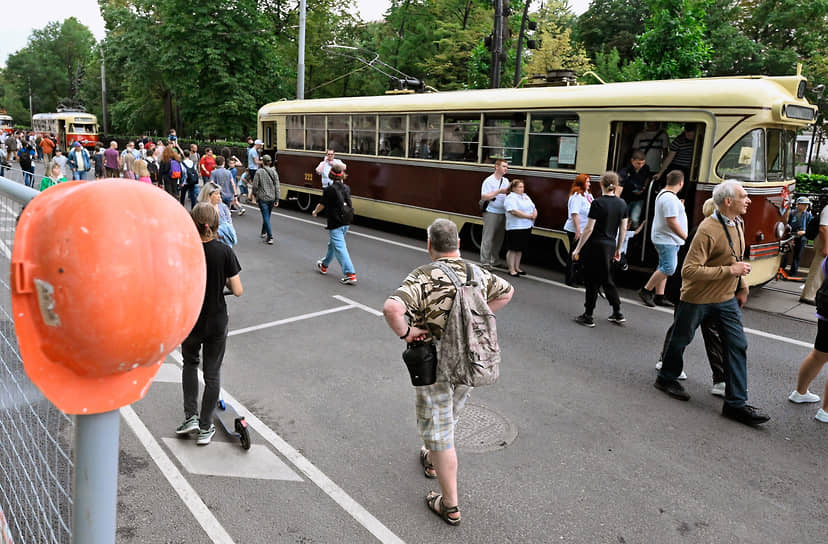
<point>206,67</point>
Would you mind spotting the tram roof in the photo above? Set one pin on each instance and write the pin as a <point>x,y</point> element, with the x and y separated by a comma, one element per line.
<point>66,115</point>
<point>736,92</point>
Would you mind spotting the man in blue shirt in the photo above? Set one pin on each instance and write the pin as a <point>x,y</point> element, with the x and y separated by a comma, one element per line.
<point>253,160</point>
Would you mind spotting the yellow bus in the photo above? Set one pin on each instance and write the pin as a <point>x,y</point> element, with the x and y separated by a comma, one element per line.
<point>412,158</point>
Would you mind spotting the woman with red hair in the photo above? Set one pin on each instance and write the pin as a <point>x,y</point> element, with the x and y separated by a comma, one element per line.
<point>577,210</point>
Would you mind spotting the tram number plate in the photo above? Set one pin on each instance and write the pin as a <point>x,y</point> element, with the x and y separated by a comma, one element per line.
<point>308,176</point>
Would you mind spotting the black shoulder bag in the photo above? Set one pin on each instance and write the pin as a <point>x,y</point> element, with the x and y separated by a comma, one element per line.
<point>738,256</point>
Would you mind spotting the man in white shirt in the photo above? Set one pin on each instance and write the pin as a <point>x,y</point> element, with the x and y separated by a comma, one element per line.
<point>493,192</point>
<point>669,232</point>
<point>324,167</point>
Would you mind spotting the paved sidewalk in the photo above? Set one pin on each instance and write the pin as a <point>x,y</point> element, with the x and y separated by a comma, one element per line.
<point>782,297</point>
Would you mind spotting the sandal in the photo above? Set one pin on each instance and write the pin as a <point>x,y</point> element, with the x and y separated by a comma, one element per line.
<point>444,511</point>
<point>428,469</point>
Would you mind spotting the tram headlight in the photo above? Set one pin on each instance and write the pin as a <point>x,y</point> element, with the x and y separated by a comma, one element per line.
<point>779,229</point>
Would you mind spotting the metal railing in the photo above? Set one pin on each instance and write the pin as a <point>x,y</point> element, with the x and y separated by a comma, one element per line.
<point>36,463</point>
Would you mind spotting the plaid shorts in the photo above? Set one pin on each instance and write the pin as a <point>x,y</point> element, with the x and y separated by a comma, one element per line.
<point>438,409</point>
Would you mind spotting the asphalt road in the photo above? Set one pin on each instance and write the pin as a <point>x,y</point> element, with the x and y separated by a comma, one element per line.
<point>572,445</point>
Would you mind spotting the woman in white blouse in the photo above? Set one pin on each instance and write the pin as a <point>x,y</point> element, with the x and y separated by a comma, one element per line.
<point>520,216</point>
<point>577,208</point>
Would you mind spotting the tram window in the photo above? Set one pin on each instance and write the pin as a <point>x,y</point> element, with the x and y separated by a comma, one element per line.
<point>553,140</point>
<point>461,134</point>
<point>392,135</point>
<point>780,154</point>
<point>745,160</point>
<point>364,135</point>
<point>295,128</point>
<point>503,136</point>
<point>315,133</point>
<point>77,128</point>
<point>339,128</point>
<point>423,136</point>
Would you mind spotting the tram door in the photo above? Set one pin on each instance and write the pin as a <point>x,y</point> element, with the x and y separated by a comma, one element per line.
<point>269,137</point>
<point>650,141</point>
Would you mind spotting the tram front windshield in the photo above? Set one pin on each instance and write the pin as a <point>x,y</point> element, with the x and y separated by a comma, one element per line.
<point>760,155</point>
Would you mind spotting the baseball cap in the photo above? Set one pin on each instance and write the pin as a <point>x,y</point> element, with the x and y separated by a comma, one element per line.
<point>803,200</point>
<point>76,144</point>
<point>258,142</point>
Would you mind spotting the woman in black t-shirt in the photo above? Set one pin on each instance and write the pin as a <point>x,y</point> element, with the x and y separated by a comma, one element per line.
<point>600,243</point>
<point>210,331</point>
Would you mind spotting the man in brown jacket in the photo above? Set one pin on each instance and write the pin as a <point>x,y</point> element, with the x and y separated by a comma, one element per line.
<point>712,285</point>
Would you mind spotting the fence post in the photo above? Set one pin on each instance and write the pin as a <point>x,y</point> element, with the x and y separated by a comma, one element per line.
<point>96,478</point>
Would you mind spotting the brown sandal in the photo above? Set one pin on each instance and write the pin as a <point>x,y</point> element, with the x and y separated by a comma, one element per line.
<point>428,469</point>
<point>444,511</point>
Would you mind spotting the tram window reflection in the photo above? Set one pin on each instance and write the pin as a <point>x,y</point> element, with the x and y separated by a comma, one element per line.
<point>392,135</point>
<point>745,160</point>
<point>424,136</point>
<point>364,135</point>
<point>315,132</point>
<point>503,136</point>
<point>553,140</point>
<point>339,129</point>
<point>295,129</point>
<point>461,134</point>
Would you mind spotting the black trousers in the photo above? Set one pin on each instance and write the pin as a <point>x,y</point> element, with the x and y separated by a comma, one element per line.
<point>596,262</point>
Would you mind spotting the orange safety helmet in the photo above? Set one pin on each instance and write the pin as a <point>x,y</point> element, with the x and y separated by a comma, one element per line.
<point>107,278</point>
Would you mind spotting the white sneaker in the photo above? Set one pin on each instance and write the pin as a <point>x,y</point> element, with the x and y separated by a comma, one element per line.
<point>205,435</point>
<point>682,376</point>
<point>821,415</point>
<point>799,399</point>
<point>718,389</point>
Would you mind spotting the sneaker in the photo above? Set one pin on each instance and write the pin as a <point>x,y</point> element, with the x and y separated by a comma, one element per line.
<point>190,424</point>
<point>269,241</point>
<point>264,235</point>
<point>821,415</point>
<point>647,297</point>
<point>682,376</point>
<point>205,435</point>
<point>321,268</point>
<point>585,320</point>
<point>799,399</point>
<point>806,301</point>
<point>350,279</point>
<point>718,389</point>
<point>242,211</point>
<point>617,318</point>
<point>672,388</point>
<point>746,414</point>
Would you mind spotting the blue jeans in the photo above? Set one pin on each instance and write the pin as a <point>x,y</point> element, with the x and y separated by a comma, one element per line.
<point>28,177</point>
<point>728,318</point>
<point>796,253</point>
<point>266,208</point>
<point>191,190</point>
<point>76,174</point>
<point>635,208</point>
<point>338,249</point>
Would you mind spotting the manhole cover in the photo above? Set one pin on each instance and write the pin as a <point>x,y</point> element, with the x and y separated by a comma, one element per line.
<point>481,429</point>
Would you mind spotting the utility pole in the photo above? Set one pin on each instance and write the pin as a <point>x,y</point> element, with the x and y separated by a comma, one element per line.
<point>31,112</point>
<point>497,45</point>
<point>518,56</point>
<point>300,69</point>
<point>103,88</point>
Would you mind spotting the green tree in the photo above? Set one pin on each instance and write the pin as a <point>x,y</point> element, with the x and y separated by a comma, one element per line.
<point>611,24</point>
<point>54,63</point>
<point>673,44</point>
<point>558,50</point>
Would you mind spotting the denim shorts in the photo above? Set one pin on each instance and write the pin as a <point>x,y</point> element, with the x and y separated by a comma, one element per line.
<point>438,409</point>
<point>667,257</point>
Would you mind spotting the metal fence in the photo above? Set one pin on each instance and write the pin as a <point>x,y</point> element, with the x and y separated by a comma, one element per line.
<point>36,463</point>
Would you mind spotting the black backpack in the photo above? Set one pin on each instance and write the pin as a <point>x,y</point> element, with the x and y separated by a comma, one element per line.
<point>152,166</point>
<point>812,229</point>
<point>192,175</point>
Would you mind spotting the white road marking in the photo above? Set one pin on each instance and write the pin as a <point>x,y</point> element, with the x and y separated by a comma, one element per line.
<point>356,304</point>
<point>353,508</point>
<point>180,485</point>
<point>290,320</point>
<point>229,459</point>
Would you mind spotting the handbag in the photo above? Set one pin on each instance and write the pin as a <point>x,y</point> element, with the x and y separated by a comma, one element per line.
<point>483,205</point>
<point>421,360</point>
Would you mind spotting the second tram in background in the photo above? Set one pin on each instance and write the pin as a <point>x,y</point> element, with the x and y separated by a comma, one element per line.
<point>6,123</point>
<point>412,158</point>
<point>69,126</point>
